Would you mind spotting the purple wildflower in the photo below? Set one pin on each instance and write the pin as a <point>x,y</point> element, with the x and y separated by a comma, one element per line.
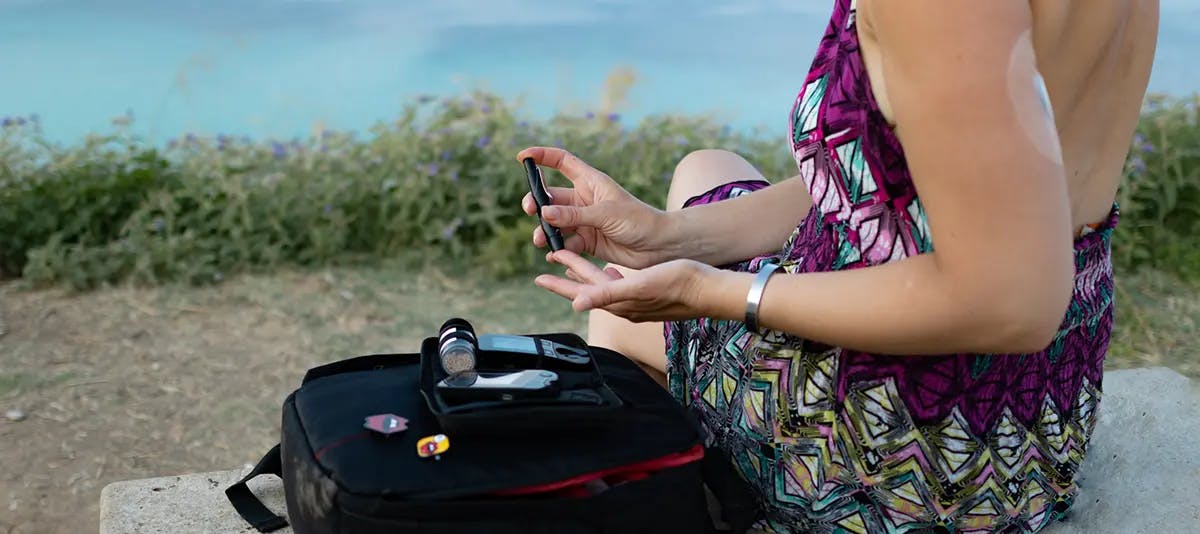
<point>523,124</point>
<point>328,209</point>
<point>191,138</point>
<point>425,99</point>
<point>445,155</point>
<point>681,140</point>
<point>20,121</point>
<point>1139,165</point>
<point>1142,143</point>
<point>483,141</point>
<point>558,143</point>
<point>450,229</point>
<point>614,117</point>
<point>590,115</point>
<point>454,175</point>
<point>432,169</point>
<point>6,122</point>
<point>278,149</point>
<point>172,142</point>
<point>485,109</point>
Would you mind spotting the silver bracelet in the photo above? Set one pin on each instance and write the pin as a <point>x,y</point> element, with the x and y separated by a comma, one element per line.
<point>754,297</point>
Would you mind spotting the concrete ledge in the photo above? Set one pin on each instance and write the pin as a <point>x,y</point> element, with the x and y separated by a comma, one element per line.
<point>185,504</point>
<point>1142,474</point>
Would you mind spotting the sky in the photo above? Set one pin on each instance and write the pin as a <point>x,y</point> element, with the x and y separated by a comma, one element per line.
<point>274,68</point>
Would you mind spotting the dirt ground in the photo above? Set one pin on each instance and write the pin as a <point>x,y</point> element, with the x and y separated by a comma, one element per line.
<point>131,383</point>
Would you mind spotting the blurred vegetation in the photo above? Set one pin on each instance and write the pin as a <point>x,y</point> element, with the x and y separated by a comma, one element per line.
<point>439,181</point>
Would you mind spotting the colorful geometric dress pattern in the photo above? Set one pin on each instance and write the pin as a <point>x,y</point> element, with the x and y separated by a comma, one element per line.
<point>835,440</point>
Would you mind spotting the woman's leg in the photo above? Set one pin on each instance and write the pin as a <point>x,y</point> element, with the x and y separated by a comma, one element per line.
<point>696,174</point>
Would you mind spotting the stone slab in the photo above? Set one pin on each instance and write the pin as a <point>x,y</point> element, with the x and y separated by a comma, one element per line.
<point>1142,474</point>
<point>187,504</point>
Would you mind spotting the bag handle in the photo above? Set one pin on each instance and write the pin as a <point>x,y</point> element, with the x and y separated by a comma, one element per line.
<point>248,505</point>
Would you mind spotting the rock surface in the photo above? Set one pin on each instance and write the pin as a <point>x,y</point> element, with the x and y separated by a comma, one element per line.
<point>185,504</point>
<point>1142,474</point>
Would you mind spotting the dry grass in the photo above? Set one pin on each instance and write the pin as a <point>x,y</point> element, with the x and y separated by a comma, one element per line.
<point>130,383</point>
<point>1158,323</point>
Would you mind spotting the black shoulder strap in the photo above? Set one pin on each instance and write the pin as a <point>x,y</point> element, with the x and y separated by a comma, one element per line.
<point>247,504</point>
<point>739,507</point>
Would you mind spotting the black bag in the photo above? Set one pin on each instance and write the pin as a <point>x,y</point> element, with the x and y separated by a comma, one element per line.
<point>628,462</point>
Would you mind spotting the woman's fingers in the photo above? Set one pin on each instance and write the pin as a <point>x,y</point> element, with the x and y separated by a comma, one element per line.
<point>564,196</point>
<point>571,274</point>
<point>558,159</point>
<point>587,270</point>
<point>602,295</point>
<point>585,296</point>
<point>559,286</point>
<point>573,241</point>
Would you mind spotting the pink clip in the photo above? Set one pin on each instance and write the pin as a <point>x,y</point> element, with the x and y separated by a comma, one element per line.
<point>386,423</point>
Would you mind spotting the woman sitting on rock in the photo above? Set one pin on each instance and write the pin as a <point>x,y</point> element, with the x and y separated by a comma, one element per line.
<point>909,335</point>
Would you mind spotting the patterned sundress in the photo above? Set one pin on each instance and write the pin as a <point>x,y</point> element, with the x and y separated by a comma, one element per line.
<point>835,440</point>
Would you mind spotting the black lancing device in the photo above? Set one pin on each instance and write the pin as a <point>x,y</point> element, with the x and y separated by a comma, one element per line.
<point>541,197</point>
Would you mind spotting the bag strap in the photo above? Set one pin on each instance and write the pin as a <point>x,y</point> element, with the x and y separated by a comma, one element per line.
<point>739,507</point>
<point>248,505</point>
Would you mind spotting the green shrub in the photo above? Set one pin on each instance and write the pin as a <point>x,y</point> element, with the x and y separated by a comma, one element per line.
<point>1160,196</point>
<point>439,180</point>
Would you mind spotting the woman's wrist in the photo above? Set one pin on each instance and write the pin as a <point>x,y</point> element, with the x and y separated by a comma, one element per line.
<point>669,237</point>
<point>682,237</point>
<point>722,293</point>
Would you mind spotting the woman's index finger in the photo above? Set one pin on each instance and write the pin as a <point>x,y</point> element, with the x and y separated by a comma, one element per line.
<point>558,159</point>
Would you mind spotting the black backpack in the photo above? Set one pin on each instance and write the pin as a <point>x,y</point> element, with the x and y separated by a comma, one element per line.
<point>611,452</point>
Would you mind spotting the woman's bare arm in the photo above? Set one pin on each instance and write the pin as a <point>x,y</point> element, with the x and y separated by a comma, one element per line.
<point>984,156</point>
<point>739,228</point>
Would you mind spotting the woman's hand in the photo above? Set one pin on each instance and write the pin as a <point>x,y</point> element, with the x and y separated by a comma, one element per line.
<point>606,220</point>
<point>665,292</point>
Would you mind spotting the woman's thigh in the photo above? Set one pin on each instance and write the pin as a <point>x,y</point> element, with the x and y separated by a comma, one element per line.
<point>696,174</point>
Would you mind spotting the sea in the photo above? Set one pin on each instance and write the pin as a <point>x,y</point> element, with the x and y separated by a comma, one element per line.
<point>280,68</point>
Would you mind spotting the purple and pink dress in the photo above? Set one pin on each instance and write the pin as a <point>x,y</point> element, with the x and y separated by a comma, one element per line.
<point>835,440</point>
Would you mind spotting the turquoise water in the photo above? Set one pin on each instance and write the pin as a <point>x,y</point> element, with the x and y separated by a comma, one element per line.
<point>275,68</point>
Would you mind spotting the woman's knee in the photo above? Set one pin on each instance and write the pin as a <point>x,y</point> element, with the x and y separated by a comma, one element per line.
<point>702,170</point>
